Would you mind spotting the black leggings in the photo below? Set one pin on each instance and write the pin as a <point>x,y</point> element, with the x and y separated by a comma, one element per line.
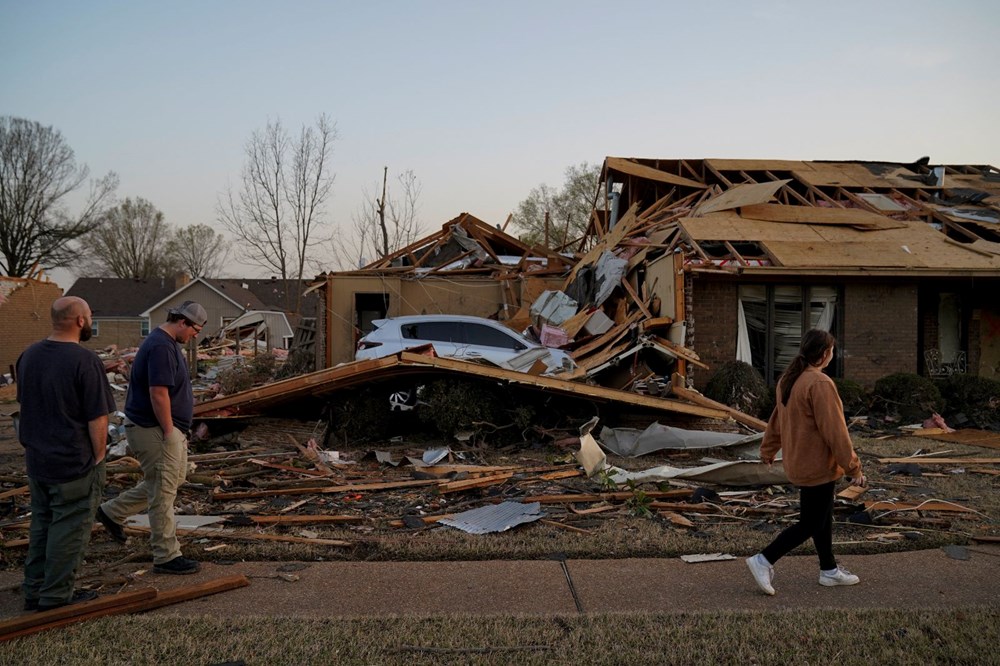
<point>815,520</point>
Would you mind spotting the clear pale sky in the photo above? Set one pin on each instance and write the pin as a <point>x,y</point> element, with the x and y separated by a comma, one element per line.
<point>484,101</point>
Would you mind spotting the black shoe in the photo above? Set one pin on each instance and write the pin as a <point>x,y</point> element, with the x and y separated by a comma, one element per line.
<point>116,531</point>
<point>31,604</point>
<point>79,596</point>
<point>179,565</point>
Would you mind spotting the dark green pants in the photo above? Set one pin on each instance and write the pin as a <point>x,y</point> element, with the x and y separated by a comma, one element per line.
<point>62,516</point>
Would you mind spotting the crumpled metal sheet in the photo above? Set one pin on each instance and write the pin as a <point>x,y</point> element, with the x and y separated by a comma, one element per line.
<point>494,517</point>
<point>737,473</point>
<point>631,442</point>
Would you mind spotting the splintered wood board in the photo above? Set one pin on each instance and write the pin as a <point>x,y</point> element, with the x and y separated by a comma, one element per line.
<point>817,215</point>
<point>797,253</point>
<point>969,436</point>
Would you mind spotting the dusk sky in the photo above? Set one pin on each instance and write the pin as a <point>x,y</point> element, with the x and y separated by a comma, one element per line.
<point>484,101</point>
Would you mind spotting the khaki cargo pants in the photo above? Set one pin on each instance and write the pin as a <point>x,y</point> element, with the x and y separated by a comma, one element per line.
<point>164,468</point>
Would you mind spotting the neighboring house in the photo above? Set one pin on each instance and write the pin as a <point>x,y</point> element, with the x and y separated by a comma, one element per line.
<point>117,305</point>
<point>900,261</point>
<point>226,300</point>
<point>25,307</point>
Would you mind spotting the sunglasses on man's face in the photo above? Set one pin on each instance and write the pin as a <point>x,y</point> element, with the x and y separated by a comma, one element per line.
<point>197,329</point>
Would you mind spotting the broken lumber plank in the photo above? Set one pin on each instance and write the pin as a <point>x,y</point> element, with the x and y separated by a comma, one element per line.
<point>217,533</point>
<point>986,538</point>
<point>468,484</point>
<point>600,497</point>
<point>14,492</point>
<point>286,468</point>
<point>851,493</point>
<point>349,488</point>
<point>306,520</point>
<point>943,461</point>
<point>427,520</point>
<point>159,600</point>
<point>699,399</point>
<point>23,622</point>
<point>655,323</point>
<point>563,474</point>
<point>702,507</point>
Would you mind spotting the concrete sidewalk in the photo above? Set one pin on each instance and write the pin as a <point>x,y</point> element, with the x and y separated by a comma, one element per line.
<point>922,579</point>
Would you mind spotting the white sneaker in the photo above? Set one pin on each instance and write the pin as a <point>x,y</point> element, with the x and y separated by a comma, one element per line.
<point>762,572</point>
<point>838,576</point>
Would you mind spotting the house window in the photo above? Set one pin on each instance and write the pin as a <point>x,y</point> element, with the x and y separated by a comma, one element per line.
<point>773,318</point>
<point>95,328</point>
<point>144,327</point>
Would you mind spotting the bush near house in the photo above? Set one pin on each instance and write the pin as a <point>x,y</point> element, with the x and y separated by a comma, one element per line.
<point>905,397</point>
<point>975,398</point>
<point>739,385</point>
<point>854,396</point>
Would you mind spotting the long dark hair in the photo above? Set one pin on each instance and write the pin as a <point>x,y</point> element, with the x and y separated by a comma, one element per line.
<point>814,345</point>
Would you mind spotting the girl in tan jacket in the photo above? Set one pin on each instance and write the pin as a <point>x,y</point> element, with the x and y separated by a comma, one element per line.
<point>808,426</point>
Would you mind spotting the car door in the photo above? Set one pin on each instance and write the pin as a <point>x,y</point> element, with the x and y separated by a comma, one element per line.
<point>486,342</point>
<point>446,336</point>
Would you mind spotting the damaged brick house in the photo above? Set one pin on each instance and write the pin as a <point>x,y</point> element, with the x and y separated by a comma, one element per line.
<point>900,261</point>
<point>692,263</point>
<point>25,306</point>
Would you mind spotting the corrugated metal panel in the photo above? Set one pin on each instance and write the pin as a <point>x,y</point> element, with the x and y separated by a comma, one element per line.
<point>495,517</point>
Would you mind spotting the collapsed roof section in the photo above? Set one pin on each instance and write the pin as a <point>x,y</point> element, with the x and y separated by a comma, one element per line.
<point>782,216</point>
<point>413,367</point>
<point>467,245</point>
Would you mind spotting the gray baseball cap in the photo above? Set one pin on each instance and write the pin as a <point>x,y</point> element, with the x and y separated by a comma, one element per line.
<point>191,311</point>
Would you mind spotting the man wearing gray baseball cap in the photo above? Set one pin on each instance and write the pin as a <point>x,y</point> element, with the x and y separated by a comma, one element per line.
<point>159,411</point>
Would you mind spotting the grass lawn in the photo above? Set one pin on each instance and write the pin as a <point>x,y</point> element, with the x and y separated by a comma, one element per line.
<point>968,636</point>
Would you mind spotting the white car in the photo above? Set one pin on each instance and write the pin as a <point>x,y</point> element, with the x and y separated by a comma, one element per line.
<point>462,337</point>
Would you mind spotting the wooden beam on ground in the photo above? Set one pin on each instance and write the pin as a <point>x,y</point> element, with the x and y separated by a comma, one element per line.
<point>159,600</point>
<point>218,533</point>
<point>306,520</point>
<point>349,488</point>
<point>699,399</point>
<point>572,498</point>
<point>14,492</point>
<point>19,624</point>
<point>469,484</point>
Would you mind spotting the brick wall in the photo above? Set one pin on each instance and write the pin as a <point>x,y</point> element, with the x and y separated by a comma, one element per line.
<point>123,333</point>
<point>880,330</point>
<point>712,326</point>
<point>24,316</point>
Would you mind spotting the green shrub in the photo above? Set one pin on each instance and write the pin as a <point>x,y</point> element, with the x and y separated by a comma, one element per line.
<point>910,398</point>
<point>853,395</point>
<point>450,405</point>
<point>262,367</point>
<point>739,385</point>
<point>978,398</point>
<point>299,362</point>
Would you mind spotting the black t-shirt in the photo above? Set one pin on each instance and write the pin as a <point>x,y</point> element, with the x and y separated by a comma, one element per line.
<point>61,387</point>
<point>159,362</point>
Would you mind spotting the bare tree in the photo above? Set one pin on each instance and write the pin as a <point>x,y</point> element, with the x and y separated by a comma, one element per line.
<point>384,224</point>
<point>132,240</point>
<point>38,171</point>
<point>199,251</point>
<point>568,209</point>
<point>276,214</point>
